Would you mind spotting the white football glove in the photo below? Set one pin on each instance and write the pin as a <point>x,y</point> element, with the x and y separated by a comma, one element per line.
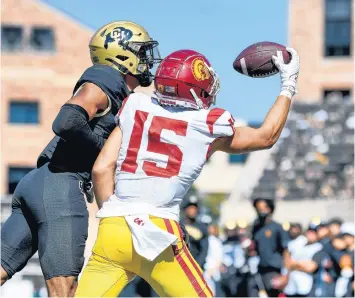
<point>289,72</point>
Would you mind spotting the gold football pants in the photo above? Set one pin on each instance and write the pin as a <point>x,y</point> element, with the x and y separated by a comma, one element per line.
<point>114,263</point>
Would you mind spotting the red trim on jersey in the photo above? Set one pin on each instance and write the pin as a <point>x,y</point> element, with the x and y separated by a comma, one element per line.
<point>208,154</point>
<point>212,117</point>
<point>231,122</point>
<point>123,104</point>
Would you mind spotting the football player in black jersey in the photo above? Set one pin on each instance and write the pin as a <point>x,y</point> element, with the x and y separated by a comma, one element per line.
<point>49,212</point>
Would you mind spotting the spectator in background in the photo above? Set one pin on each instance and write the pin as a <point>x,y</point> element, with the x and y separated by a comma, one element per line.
<point>271,245</point>
<point>347,231</point>
<point>324,237</point>
<point>335,248</point>
<point>308,265</point>
<point>334,232</point>
<point>297,239</point>
<point>234,268</point>
<point>345,282</point>
<point>338,250</point>
<point>323,233</point>
<point>334,227</point>
<point>297,242</point>
<point>196,230</point>
<point>214,260</point>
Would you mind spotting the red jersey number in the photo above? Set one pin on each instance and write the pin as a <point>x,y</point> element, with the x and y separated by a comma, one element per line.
<point>155,145</point>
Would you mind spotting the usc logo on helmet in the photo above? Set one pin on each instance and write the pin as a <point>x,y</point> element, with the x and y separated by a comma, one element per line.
<point>200,70</point>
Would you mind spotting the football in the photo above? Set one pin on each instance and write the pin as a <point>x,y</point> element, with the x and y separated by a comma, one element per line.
<point>256,60</point>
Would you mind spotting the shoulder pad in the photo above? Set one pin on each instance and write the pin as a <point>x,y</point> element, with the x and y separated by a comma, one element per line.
<point>109,80</point>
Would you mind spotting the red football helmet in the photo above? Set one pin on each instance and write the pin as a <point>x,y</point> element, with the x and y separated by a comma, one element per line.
<point>186,79</point>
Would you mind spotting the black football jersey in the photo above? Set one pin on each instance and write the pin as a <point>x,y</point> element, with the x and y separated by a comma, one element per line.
<point>71,156</point>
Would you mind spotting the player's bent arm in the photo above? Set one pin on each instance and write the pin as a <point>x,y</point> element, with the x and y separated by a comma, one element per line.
<point>246,139</point>
<point>103,173</point>
<point>71,123</point>
<point>91,98</point>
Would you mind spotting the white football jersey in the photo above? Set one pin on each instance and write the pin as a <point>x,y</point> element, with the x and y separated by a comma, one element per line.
<point>162,153</point>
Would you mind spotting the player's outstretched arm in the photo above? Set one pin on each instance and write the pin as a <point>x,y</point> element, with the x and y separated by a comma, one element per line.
<point>246,139</point>
<point>103,173</point>
<point>71,123</point>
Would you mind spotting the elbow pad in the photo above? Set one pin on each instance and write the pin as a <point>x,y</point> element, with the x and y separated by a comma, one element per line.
<point>69,120</point>
<point>71,124</point>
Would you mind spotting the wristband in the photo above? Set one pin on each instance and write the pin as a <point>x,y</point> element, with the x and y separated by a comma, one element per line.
<point>286,93</point>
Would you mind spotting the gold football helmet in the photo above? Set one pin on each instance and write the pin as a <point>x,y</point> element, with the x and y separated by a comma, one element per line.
<point>127,47</point>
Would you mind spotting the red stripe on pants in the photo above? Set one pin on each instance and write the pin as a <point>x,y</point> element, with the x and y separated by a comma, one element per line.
<point>184,266</point>
<point>193,262</point>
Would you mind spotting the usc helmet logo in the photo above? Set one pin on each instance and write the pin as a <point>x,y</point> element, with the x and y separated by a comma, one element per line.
<point>200,70</point>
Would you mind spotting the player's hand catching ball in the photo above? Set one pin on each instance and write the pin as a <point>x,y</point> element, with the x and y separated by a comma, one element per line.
<point>289,72</point>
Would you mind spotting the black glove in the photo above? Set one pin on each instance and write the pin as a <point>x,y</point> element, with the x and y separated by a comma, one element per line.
<point>88,190</point>
<point>185,235</point>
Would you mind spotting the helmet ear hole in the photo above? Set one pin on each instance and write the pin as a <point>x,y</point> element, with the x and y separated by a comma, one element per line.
<point>122,58</point>
<point>204,94</point>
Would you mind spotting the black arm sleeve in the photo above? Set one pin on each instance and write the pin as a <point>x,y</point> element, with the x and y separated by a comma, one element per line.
<point>71,124</point>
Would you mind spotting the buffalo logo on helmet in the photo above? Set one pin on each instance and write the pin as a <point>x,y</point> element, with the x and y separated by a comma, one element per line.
<point>119,35</point>
<point>200,70</point>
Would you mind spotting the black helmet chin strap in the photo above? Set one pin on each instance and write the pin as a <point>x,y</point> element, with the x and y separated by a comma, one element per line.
<point>144,79</point>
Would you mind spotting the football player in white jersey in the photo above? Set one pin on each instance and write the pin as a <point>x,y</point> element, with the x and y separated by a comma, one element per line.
<point>148,164</point>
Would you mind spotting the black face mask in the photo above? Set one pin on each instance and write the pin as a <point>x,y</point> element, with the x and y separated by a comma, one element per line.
<point>144,79</point>
<point>263,215</point>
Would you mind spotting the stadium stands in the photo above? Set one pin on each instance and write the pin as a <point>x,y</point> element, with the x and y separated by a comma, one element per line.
<point>315,154</point>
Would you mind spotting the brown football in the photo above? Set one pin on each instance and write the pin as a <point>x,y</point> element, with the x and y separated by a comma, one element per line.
<point>256,60</point>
